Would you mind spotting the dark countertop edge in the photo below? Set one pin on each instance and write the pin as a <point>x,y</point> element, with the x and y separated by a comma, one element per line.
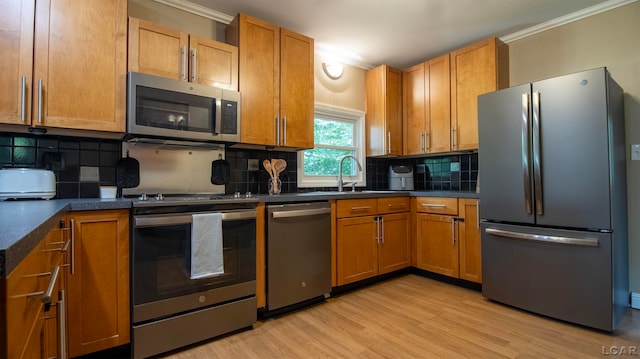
<point>19,248</point>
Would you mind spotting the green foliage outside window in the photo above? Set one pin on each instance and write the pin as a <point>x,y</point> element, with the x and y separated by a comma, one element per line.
<point>333,140</point>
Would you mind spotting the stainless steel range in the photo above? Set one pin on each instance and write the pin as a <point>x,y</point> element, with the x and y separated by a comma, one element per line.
<point>171,305</point>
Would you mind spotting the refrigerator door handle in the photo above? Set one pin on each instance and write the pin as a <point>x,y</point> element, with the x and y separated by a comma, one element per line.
<point>589,242</point>
<point>537,177</point>
<point>526,173</point>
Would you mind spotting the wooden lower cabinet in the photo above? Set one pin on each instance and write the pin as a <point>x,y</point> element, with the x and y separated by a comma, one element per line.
<point>449,244</point>
<point>371,239</point>
<point>98,281</point>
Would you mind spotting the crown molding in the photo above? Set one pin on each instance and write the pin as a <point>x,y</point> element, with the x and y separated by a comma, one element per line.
<point>563,20</point>
<point>198,10</point>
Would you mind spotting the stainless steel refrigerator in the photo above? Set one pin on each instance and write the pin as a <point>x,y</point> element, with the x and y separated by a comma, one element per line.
<point>553,198</point>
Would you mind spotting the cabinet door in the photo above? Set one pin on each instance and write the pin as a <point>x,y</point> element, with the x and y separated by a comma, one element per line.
<point>213,63</point>
<point>415,107</point>
<point>157,50</point>
<point>16,42</point>
<point>437,245</point>
<point>394,245</point>
<point>470,245</point>
<point>259,79</point>
<point>99,284</point>
<point>383,86</point>
<point>473,72</point>
<point>357,249</point>
<point>296,90</point>
<point>438,137</point>
<point>81,62</point>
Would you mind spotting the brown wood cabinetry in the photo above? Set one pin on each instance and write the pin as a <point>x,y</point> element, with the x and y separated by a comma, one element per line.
<point>476,69</point>
<point>29,327</point>
<point>427,107</point>
<point>166,52</point>
<point>448,237</point>
<point>372,237</point>
<point>383,119</point>
<point>58,52</point>
<point>277,83</point>
<point>98,281</point>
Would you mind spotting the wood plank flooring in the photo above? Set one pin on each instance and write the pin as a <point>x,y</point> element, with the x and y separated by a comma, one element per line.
<point>416,317</point>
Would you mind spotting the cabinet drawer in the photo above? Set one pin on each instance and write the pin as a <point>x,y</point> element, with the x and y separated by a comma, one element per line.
<point>437,205</point>
<point>357,207</point>
<point>393,205</point>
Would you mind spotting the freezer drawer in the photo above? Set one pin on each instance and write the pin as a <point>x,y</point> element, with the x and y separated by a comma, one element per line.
<point>558,273</point>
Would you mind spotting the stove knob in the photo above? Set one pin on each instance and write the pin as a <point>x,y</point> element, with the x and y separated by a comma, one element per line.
<point>159,197</point>
<point>236,195</point>
<point>143,197</point>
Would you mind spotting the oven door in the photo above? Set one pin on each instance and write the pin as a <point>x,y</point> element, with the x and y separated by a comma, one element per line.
<point>160,264</point>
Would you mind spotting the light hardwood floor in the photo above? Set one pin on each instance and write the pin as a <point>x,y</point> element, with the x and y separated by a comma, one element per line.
<point>416,317</point>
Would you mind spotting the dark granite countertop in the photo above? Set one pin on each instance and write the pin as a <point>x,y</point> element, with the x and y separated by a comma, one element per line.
<point>24,223</point>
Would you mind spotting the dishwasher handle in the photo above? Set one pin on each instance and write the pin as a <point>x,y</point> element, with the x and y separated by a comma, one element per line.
<point>300,213</point>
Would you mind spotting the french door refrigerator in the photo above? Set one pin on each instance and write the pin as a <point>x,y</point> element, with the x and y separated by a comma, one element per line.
<point>553,198</point>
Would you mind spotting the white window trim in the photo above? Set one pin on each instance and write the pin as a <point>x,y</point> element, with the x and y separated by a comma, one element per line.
<point>329,111</point>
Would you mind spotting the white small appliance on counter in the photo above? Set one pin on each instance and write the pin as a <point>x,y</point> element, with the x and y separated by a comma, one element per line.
<point>27,183</point>
<point>401,178</point>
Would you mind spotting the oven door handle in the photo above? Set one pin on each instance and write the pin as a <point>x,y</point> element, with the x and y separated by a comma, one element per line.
<point>158,221</point>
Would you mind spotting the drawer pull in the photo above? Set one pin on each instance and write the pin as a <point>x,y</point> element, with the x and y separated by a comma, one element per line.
<point>434,205</point>
<point>46,296</point>
<point>363,208</point>
<point>399,205</point>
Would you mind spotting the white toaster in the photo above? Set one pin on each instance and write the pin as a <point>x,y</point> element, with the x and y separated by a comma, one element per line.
<point>20,183</point>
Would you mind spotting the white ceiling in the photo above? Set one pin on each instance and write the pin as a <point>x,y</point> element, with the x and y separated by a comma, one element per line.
<point>401,33</point>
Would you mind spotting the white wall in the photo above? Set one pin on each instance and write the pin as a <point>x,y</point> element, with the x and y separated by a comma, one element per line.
<point>610,39</point>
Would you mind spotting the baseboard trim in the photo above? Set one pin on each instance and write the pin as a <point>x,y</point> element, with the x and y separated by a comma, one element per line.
<point>635,300</point>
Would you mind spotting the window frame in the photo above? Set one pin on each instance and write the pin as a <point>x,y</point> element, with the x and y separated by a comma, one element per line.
<point>330,112</point>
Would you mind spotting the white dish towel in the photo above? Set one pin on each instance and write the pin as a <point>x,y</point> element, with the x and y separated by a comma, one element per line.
<point>207,258</point>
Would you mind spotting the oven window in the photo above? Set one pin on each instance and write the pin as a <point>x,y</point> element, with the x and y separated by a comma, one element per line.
<point>161,260</point>
<point>173,110</point>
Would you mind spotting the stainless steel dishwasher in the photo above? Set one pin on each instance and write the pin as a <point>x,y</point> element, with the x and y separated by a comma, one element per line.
<point>298,253</point>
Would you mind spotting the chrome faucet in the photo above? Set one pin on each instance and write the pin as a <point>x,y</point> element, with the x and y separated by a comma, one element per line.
<point>340,183</point>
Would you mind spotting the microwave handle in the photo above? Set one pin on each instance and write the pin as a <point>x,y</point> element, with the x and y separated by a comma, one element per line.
<point>217,117</point>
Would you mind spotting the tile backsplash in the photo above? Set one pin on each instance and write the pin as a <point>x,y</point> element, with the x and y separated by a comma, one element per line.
<point>81,165</point>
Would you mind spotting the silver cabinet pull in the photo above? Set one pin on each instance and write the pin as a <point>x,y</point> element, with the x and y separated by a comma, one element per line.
<point>382,229</point>
<point>426,141</point>
<point>589,242</point>
<point>73,246</point>
<point>453,138</point>
<point>277,130</point>
<point>301,213</point>
<point>478,215</point>
<point>525,154</point>
<point>453,231</point>
<point>376,219</point>
<point>183,53</point>
<point>433,205</point>
<point>388,142</point>
<point>23,98</point>
<point>62,325</point>
<point>422,142</point>
<point>39,100</point>
<point>194,70</point>
<point>537,179</point>
<point>284,125</point>
<point>46,296</point>
<point>363,208</point>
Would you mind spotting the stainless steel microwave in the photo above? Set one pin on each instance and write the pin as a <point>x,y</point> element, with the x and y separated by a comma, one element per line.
<point>165,108</point>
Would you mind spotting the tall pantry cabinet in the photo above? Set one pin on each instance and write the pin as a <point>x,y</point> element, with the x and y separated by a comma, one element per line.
<point>276,80</point>
<point>51,60</point>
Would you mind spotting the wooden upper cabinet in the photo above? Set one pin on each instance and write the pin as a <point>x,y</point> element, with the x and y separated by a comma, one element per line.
<point>276,81</point>
<point>16,37</point>
<point>64,64</point>
<point>166,52</point>
<point>80,64</point>
<point>475,70</point>
<point>426,104</point>
<point>383,87</point>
